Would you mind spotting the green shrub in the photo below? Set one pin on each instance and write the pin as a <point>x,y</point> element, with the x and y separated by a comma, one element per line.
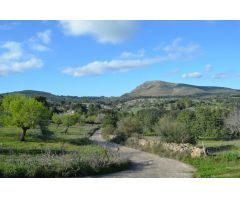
<point>148,118</point>
<point>52,165</point>
<point>110,118</point>
<point>129,125</point>
<point>171,130</point>
<point>108,130</point>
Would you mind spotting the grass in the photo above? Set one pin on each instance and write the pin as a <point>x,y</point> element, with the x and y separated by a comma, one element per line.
<point>223,160</point>
<point>55,154</point>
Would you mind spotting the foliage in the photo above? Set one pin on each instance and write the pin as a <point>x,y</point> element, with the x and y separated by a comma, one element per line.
<point>43,100</point>
<point>72,155</point>
<point>69,120</point>
<point>53,165</point>
<point>232,124</point>
<point>108,130</point>
<point>93,109</point>
<point>188,118</point>
<point>129,125</point>
<point>219,166</point>
<point>210,121</point>
<point>148,118</point>
<point>57,119</point>
<point>80,108</point>
<point>171,130</point>
<point>24,112</point>
<point>110,118</point>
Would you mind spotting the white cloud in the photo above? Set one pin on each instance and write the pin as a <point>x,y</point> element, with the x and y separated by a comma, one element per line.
<point>177,50</point>
<point>99,67</point>
<point>103,31</point>
<point>192,75</point>
<point>208,67</point>
<point>14,51</point>
<point>45,36</point>
<point>9,25</point>
<point>15,59</point>
<point>132,60</point>
<point>40,40</point>
<point>126,54</point>
<point>225,75</point>
<point>39,47</point>
<point>221,75</point>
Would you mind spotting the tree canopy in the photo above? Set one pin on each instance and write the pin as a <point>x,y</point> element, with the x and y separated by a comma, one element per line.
<point>24,112</point>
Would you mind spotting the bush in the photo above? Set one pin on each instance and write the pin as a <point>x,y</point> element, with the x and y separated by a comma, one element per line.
<point>210,121</point>
<point>148,118</point>
<point>110,118</point>
<point>232,125</point>
<point>171,130</point>
<point>108,130</point>
<point>129,125</point>
<point>53,165</point>
<point>57,119</point>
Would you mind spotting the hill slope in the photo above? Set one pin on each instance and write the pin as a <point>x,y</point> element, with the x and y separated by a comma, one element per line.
<point>58,98</point>
<point>161,88</point>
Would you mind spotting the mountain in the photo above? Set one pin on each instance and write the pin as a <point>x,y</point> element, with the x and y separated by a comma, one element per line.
<point>161,88</point>
<point>147,89</point>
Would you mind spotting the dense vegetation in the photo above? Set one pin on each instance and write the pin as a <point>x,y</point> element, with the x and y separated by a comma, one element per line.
<point>53,126</point>
<point>199,121</point>
<point>50,144</point>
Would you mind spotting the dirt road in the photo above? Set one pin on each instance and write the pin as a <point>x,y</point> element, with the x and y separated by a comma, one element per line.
<point>145,165</point>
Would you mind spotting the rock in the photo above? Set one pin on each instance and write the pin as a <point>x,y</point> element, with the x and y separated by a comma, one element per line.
<point>197,152</point>
<point>143,142</point>
<point>184,148</point>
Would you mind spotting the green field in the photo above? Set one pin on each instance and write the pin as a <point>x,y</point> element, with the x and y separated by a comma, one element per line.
<point>55,154</point>
<point>223,160</point>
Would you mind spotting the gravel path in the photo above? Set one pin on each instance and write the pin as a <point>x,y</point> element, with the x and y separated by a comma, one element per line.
<point>145,165</point>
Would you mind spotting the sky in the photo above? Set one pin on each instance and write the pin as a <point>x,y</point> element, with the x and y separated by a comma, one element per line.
<point>110,58</point>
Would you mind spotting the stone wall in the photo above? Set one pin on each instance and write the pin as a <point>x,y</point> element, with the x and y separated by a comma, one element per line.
<point>177,148</point>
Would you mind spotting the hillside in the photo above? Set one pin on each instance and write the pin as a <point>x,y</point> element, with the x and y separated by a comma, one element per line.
<point>147,89</point>
<point>58,98</point>
<point>161,88</point>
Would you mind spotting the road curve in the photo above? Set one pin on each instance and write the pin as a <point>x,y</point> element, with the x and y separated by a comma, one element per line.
<point>145,165</point>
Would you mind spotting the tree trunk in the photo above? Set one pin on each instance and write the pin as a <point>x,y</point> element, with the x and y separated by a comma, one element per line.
<point>22,135</point>
<point>66,130</point>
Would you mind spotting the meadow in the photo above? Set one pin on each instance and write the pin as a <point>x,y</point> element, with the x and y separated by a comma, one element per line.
<point>223,160</point>
<point>55,154</point>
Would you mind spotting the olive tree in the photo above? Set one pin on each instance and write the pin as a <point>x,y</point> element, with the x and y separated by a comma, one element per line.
<point>23,112</point>
<point>57,119</point>
<point>69,120</point>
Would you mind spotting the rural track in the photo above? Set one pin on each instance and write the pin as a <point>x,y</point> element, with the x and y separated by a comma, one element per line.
<point>144,165</point>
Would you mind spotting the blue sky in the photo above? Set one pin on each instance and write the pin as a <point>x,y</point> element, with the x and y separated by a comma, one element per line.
<point>110,58</point>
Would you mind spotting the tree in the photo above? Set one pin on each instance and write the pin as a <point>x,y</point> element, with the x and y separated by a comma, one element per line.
<point>210,120</point>
<point>171,130</point>
<point>80,108</point>
<point>93,109</point>
<point>129,125</point>
<point>57,119</point>
<point>148,117</point>
<point>110,118</point>
<point>42,99</point>
<point>188,117</point>
<point>232,124</point>
<point>69,120</point>
<point>24,112</point>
